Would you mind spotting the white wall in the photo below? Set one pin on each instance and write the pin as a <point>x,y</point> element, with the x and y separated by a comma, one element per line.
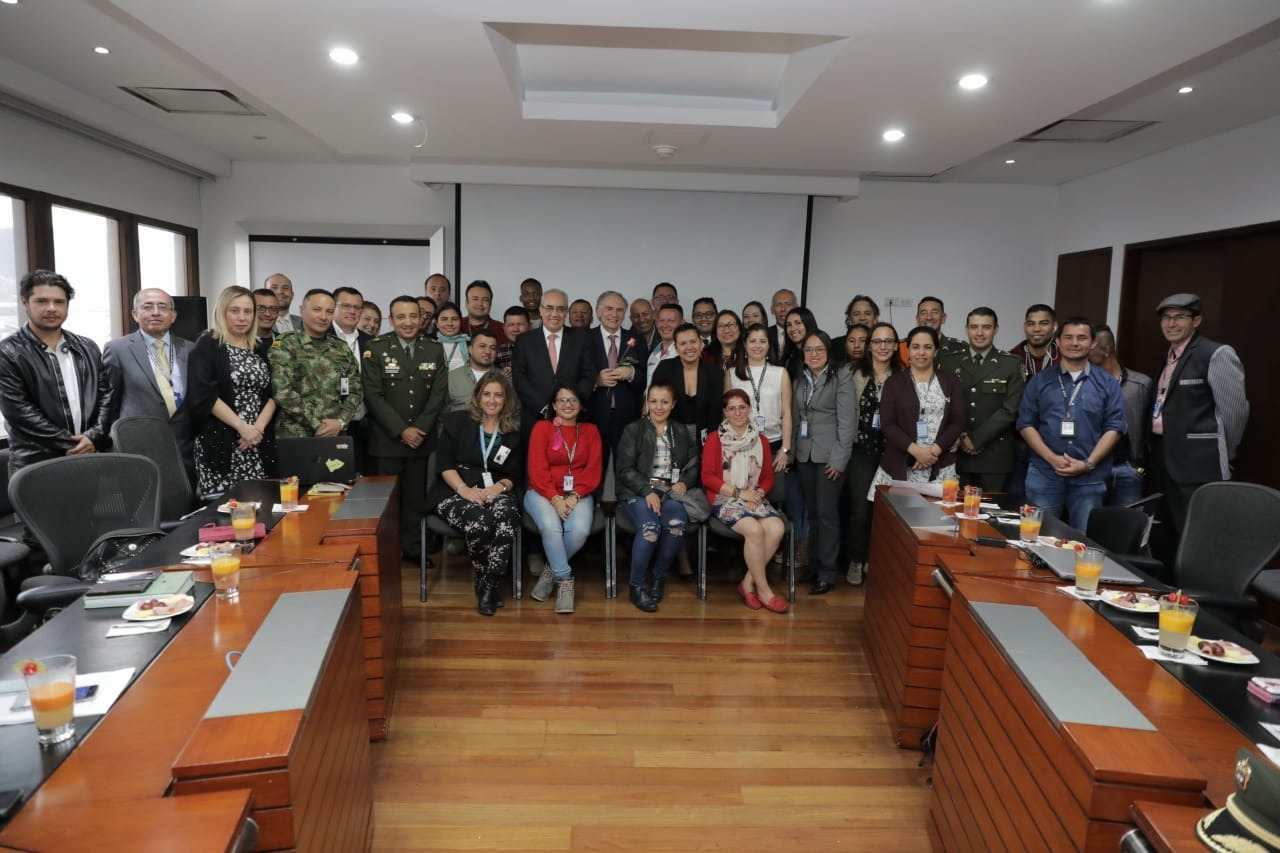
<point>967,244</point>
<point>316,200</point>
<point>1225,181</point>
<point>39,156</point>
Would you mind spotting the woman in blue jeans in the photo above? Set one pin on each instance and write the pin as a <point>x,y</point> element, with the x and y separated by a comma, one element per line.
<point>565,468</point>
<point>656,466</point>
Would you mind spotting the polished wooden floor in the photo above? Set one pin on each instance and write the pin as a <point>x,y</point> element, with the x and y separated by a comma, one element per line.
<point>706,726</point>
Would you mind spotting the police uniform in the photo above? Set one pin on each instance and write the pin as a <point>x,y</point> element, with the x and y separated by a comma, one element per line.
<point>316,379</point>
<point>992,393</point>
<point>404,388</point>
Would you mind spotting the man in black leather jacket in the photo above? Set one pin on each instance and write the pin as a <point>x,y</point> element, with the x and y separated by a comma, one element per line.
<point>55,394</point>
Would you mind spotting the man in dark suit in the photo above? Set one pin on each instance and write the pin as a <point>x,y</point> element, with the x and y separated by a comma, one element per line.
<point>536,372</point>
<point>619,362</point>
<point>993,384</point>
<point>148,369</point>
<point>405,382</point>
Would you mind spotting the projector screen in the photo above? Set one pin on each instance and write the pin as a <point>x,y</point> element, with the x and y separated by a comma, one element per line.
<point>734,247</point>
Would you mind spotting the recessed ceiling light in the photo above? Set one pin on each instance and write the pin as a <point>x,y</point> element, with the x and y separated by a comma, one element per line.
<point>101,50</point>
<point>1010,162</point>
<point>344,56</point>
<point>893,134</point>
<point>402,117</point>
<point>972,81</point>
<point>1185,90</point>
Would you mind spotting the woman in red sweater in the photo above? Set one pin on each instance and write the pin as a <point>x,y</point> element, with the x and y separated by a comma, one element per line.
<point>737,471</point>
<point>565,468</point>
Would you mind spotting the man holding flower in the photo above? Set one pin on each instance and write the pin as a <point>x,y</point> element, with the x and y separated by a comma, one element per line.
<point>620,358</point>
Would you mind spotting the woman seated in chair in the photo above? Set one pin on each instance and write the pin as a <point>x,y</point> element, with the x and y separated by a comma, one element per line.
<point>481,464</point>
<point>565,468</point>
<point>656,466</point>
<point>230,397</point>
<point>737,472</point>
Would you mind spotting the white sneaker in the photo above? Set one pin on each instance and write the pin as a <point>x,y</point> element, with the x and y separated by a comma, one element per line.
<point>537,563</point>
<point>854,576</point>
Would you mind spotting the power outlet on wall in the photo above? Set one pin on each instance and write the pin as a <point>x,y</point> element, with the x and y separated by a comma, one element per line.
<point>898,302</point>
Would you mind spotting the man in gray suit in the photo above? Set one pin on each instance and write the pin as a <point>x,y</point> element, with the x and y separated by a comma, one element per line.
<point>148,368</point>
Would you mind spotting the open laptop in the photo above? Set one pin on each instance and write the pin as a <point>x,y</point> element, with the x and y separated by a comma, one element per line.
<point>314,459</point>
<point>1062,562</point>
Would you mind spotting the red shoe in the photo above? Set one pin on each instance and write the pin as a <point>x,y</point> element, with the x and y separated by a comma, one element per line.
<point>749,596</point>
<point>777,604</point>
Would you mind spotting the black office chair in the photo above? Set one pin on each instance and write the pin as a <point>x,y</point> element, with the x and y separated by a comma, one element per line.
<point>1232,532</point>
<point>437,525</point>
<point>154,439</point>
<point>70,502</point>
<point>778,498</point>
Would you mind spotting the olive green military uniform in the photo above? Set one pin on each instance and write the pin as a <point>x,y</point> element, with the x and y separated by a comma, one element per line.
<point>992,393</point>
<point>404,388</point>
<point>315,379</point>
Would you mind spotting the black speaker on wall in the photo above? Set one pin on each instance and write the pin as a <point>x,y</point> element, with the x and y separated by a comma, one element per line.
<point>192,316</point>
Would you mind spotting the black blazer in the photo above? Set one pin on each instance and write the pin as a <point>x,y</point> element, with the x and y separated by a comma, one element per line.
<point>627,397</point>
<point>704,411</point>
<point>459,450</point>
<point>532,376</point>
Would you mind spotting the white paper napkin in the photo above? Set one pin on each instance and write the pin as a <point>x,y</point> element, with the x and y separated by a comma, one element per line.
<point>279,508</point>
<point>1153,652</point>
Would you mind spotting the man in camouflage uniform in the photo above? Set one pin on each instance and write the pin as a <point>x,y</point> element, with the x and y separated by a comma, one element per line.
<point>405,387</point>
<point>317,379</point>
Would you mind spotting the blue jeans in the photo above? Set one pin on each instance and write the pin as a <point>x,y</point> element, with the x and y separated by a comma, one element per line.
<point>560,539</point>
<point>1124,486</point>
<point>667,530</point>
<point>1053,494</point>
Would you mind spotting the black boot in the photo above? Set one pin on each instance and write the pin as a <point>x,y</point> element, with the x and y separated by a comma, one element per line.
<point>640,598</point>
<point>659,590</point>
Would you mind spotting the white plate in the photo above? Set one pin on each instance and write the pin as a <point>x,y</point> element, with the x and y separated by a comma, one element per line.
<point>132,614</point>
<point>1193,646</point>
<point>1115,598</point>
<point>224,508</point>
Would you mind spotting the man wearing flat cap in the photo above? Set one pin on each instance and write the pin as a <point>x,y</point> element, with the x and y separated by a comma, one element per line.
<point>1198,412</point>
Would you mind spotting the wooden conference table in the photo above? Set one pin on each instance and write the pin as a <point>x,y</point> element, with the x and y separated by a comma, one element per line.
<point>191,749</point>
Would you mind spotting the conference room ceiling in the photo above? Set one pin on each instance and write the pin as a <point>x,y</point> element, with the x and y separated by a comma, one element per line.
<point>734,86</point>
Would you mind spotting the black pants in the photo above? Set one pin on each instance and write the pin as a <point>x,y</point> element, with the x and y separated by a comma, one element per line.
<point>411,473</point>
<point>822,500</point>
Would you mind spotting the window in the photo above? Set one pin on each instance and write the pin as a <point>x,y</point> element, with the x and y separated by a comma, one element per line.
<point>162,259</point>
<point>86,251</point>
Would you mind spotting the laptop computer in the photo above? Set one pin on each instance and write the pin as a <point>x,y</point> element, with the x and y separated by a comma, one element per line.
<point>1062,562</point>
<point>316,459</point>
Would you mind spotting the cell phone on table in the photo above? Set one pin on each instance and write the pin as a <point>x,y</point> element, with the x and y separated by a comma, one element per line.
<point>87,691</point>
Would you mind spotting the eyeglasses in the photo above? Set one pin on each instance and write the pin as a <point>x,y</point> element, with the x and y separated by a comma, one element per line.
<point>813,350</point>
<point>1176,318</point>
<point>882,342</point>
<point>565,401</point>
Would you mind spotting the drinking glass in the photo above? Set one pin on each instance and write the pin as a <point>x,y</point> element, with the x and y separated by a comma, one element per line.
<point>51,686</point>
<point>225,566</point>
<point>950,490</point>
<point>1088,570</point>
<point>1176,619</point>
<point>1029,524</point>
<point>972,501</point>
<point>243,518</point>
<point>289,494</point>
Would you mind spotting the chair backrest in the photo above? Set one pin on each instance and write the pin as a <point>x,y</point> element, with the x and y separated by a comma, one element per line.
<point>154,439</point>
<point>70,501</point>
<point>1232,533</point>
<point>1119,529</point>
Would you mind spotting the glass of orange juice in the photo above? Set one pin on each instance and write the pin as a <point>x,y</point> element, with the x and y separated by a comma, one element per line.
<point>950,490</point>
<point>1029,524</point>
<point>243,517</point>
<point>1088,570</point>
<point>51,686</point>
<point>289,494</point>
<point>972,501</point>
<point>1177,615</point>
<point>225,565</point>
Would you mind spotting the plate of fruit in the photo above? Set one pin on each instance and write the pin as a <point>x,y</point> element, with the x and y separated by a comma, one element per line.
<point>159,608</point>
<point>1134,602</point>
<point>1220,651</point>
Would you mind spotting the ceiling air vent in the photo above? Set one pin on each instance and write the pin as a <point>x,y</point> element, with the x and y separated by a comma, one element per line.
<point>192,101</point>
<point>1085,130</point>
